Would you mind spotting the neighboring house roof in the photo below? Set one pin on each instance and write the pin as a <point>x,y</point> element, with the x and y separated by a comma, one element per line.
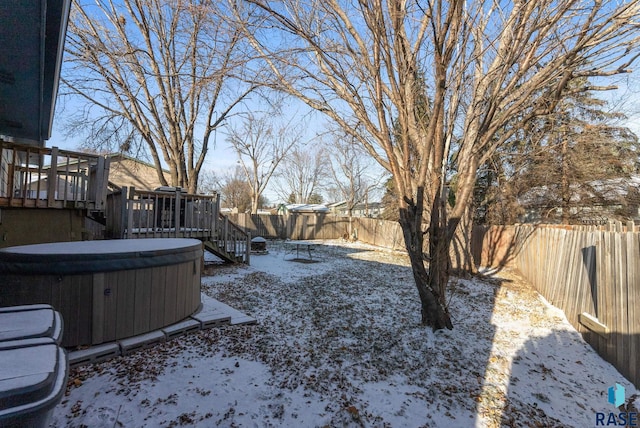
<point>124,171</point>
<point>32,43</point>
<point>117,157</point>
<point>368,206</point>
<point>335,205</point>
<point>306,208</point>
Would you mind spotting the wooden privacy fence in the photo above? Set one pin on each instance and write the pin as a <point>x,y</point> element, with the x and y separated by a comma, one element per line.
<point>382,233</point>
<point>373,231</point>
<point>594,277</point>
<point>316,226</point>
<point>292,226</point>
<point>267,226</point>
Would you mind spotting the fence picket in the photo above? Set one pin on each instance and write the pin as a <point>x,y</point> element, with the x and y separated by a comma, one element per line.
<point>591,270</point>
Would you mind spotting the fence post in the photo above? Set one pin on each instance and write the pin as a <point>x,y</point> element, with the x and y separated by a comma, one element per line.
<point>289,226</point>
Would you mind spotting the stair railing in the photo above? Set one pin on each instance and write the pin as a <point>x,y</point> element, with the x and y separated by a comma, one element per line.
<point>233,240</point>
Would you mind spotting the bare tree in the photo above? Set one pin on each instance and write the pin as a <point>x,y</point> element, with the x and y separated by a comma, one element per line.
<point>486,68</point>
<point>163,72</point>
<point>235,190</point>
<point>261,144</point>
<point>303,175</point>
<point>209,183</point>
<point>350,167</point>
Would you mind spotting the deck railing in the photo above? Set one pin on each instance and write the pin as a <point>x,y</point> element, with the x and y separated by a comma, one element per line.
<point>136,213</point>
<point>41,177</point>
<point>133,213</point>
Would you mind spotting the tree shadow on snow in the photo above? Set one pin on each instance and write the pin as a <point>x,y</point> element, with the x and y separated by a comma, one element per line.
<point>557,380</point>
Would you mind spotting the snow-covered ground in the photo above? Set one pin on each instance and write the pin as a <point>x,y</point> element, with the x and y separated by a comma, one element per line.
<point>339,343</point>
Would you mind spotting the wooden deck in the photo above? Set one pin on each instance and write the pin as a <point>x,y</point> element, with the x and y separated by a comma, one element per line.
<point>135,213</point>
<point>40,177</point>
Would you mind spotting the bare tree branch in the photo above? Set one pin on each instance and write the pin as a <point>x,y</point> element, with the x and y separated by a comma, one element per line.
<point>174,70</point>
<point>261,145</point>
<point>432,89</point>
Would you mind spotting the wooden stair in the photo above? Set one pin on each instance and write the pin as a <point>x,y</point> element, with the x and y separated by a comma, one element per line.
<point>217,248</point>
<point>231,243</point>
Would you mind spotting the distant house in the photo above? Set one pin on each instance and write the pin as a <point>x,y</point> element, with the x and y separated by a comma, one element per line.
<point>595,202</point>
<point>302,209</point>
<point>370,209</point>
<point>337,207</point>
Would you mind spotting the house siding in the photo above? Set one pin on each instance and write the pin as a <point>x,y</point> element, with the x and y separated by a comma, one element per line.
<point>128,172</point>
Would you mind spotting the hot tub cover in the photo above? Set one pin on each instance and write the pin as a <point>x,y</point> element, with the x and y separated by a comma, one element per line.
<point>77,257</point>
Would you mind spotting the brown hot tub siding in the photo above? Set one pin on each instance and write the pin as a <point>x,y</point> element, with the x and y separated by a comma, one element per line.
<point>103,306</point>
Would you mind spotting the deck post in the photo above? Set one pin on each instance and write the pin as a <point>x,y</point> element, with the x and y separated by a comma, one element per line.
<point>248,249</point>
<point>215,217</point>
<point>225,234</point>
<point>176,209</point>
<point>130,202</point>
<point>98,183</point>
<point>123,212</point>
<point>52,177</point>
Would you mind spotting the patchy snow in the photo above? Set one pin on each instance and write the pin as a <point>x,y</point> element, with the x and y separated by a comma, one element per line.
<point>339,343</point>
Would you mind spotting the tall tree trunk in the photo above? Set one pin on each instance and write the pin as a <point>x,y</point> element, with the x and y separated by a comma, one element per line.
<point>431,285</point>
<point>564,182</point>
<point>461,247</point>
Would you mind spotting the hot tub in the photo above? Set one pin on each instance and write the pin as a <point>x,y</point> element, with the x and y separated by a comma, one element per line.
<point>106,290</point>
